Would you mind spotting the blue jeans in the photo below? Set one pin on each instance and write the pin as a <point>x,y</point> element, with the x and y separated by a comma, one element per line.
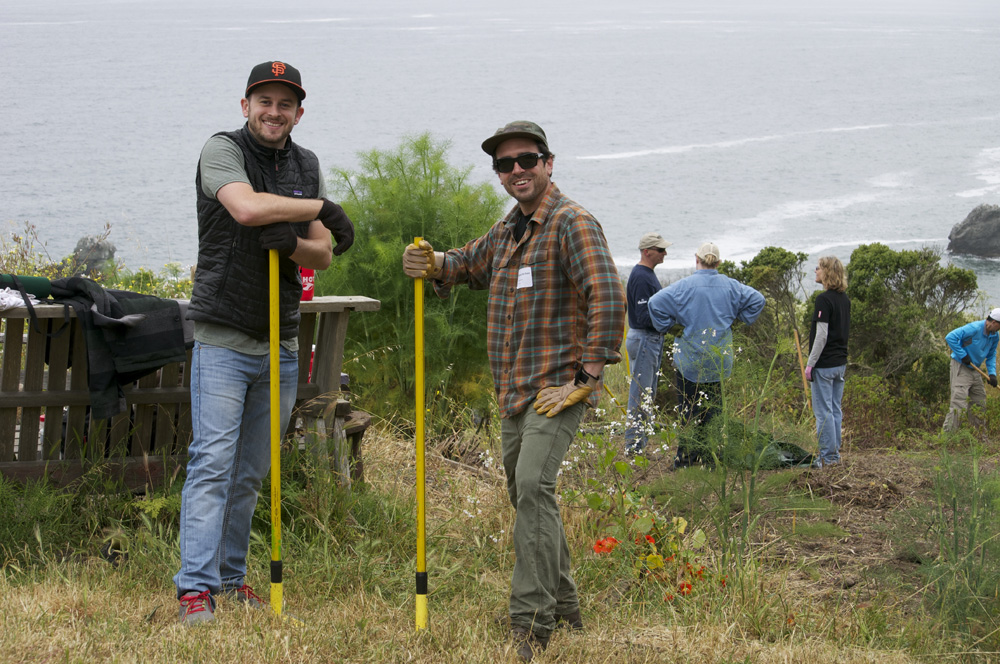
<point>827,391</point>
<point>645,348</point>
<point>228,458</point>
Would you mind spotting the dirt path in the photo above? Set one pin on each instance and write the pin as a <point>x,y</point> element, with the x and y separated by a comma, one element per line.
<point>868,532</point>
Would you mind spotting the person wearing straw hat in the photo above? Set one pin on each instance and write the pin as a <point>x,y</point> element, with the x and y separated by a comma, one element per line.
<point>643,341</point>
<point>257,191</point>
<point>971,345</point>
<point>705,304</point>
<point>556,316</point>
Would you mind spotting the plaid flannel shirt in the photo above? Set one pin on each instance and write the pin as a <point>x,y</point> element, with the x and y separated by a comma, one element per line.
<point>556,300</point>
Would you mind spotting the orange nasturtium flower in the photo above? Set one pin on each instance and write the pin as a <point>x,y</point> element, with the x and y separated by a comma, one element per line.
<point>684,588</point>
<point>606,545</point>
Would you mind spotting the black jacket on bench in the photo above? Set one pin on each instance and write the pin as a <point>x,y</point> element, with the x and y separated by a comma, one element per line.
<point>128,336</point>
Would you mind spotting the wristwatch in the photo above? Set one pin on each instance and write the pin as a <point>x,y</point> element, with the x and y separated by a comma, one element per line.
<point>582,377</point>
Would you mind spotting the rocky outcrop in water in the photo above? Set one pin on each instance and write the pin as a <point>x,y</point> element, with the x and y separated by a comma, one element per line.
<point>979,234</point>
<point>92,253</point>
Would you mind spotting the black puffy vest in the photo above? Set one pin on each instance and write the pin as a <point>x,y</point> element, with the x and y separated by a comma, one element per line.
<point>231,283</point>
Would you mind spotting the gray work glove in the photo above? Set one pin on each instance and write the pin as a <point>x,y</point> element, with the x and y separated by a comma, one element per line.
<point>553,400</point>
<point>337,222</point>
<point>280,237</point>
<point>420,261</point>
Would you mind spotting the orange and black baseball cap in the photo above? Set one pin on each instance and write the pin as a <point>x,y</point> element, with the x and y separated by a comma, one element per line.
<point>276,71</point>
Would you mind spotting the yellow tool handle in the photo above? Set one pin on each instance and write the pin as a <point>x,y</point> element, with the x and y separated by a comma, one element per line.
<point>418,326</point>
<point>275,364</point>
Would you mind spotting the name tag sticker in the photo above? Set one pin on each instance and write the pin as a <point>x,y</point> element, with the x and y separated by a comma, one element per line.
<point>524,277</point>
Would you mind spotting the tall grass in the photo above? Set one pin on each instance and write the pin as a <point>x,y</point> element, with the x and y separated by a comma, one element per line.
<point>965,576</point>
<point>349,569</point>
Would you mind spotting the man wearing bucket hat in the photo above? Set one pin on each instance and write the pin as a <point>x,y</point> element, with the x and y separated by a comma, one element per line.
<point>643,341</point>
<point>257,191</point>
<point>705,304</point>
<point>556,316</point>
<point>971,345</point>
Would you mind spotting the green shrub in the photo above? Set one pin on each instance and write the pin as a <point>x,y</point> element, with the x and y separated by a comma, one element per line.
<point>929,378</point>
<point>903,303</point>
<point>777,273</point>
<point>394,197</point>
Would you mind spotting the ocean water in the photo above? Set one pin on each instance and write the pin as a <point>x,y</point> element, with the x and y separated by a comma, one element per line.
<point>814,126</point>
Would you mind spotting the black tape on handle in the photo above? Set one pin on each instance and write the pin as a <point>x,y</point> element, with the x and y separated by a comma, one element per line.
<point>275,571</point>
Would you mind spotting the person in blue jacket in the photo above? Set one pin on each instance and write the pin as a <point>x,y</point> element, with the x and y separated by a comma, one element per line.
<point>705,304</point>
<point>970,346</point>
<point>643,341</point>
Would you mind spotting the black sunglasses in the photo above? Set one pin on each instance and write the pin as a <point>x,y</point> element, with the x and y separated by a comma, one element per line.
<point>527,161</point>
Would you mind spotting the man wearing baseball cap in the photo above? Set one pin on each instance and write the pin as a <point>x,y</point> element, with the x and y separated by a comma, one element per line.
<point>556,315</point>
<point>705,304</point>
<point>643,341</point>
<point>257,191</point>
<point>970,345</point>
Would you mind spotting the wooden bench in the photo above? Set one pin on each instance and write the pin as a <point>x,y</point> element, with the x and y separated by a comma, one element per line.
<point>46,431</point>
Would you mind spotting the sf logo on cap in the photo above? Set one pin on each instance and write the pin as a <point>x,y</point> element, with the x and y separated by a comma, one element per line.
<point>278,68</point>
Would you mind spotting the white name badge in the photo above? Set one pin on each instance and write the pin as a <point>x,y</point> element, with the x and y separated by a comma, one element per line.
<point>524,277</point>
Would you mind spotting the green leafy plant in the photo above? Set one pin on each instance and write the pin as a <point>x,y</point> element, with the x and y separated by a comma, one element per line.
<point>903,303</point>
<point>662,556</point>
<point>395,196</point>
<point>777,273</point>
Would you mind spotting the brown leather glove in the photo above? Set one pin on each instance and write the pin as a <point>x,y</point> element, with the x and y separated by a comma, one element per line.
<point>420,262</point>
<point>553,400</point>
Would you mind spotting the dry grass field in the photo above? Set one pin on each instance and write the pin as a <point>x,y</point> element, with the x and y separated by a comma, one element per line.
<point>834,577</point>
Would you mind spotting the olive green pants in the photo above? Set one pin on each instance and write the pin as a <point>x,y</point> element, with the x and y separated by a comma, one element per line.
<point>541,587</point>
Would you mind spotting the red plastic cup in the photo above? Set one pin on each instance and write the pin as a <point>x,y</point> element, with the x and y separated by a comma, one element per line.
<point>308,281</point>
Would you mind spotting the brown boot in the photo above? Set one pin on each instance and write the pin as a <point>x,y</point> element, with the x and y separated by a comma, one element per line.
<point>526,643</point>
<point>574,621</point>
